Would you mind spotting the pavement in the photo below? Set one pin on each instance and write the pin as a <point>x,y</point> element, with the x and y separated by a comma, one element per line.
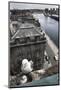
<point>51,54</point>
<point>51,44</point>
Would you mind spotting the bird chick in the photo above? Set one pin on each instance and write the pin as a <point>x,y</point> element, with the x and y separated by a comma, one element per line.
<point>23,79</point>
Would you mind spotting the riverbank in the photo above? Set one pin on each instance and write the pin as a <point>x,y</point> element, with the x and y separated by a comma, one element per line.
<point>51,44</point>
<point>55,17</point>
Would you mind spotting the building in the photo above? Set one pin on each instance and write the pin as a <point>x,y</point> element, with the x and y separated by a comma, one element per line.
<point>27,43</point>
<point>23,16</point>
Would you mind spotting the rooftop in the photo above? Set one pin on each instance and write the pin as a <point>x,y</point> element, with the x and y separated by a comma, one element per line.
<point>26,30</point>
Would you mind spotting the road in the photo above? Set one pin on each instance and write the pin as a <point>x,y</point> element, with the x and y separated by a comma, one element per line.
<point>50,54</point>
<point>51,50</point>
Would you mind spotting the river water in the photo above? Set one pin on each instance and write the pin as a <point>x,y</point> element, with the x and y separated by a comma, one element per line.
<point>50,26</point>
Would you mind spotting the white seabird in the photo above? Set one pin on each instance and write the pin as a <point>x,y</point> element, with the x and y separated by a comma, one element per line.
<point>26,66</point>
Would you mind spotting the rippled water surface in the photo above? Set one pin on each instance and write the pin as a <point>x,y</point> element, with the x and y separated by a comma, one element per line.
<point>50,26</point>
